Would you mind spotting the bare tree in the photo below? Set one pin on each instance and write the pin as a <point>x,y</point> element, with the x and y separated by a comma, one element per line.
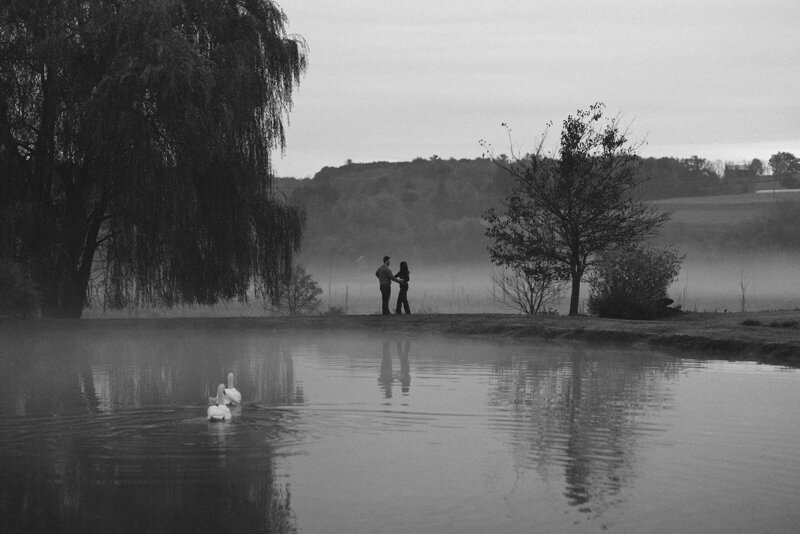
<point>299,295</point>
<point>527,293</point>
<point>744,284</point>
<point>567,208</point>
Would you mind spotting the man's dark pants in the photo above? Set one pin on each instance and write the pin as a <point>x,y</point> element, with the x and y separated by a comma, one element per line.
<point>386,294</point>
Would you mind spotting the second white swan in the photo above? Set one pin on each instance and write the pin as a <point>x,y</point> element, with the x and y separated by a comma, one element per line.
<point>232,395</point>
<point>218,411</point>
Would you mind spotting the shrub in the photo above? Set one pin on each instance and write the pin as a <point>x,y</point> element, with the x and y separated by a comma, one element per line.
<point>530,288</point>
<point>783,324</point>
<point>632,283</point>
<point>19,296</point>
<point>299,294</point>
<point>774,324</point>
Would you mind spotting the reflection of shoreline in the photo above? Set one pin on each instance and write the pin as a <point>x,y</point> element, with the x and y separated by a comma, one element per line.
<point>580,416</point>
<point>104,370</point>
<point>163,479</point>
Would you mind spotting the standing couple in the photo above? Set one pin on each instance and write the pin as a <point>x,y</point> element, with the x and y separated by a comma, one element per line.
<point>385,278</point>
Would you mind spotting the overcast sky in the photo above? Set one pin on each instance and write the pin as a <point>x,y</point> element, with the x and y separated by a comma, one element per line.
<point>394,80</point>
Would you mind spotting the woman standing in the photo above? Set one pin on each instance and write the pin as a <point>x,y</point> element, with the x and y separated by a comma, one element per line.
<point>402,299</point>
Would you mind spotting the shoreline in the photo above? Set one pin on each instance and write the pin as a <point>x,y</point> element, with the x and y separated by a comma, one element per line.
<point>698,335</point>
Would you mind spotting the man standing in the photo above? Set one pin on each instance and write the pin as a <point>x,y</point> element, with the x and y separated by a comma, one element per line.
<point>385,278</point>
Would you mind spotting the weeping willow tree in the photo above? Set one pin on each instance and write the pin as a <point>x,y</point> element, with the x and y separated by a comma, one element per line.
<point>135,149</point>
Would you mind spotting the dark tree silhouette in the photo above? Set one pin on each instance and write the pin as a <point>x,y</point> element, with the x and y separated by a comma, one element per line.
<point>135,149</point>
<point>18,295</point>
<point>757,167</point>
<point>786,168</point>
<point>632,283</point>
<point>566,209</point>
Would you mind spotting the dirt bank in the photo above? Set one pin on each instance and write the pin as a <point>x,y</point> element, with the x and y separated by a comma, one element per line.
<point>770,337</point>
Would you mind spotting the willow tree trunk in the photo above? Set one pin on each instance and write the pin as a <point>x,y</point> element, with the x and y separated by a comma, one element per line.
<point>65,289</point>
<point>64,294</point>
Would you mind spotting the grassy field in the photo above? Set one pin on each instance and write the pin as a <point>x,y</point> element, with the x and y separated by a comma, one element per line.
<point>722,210</point>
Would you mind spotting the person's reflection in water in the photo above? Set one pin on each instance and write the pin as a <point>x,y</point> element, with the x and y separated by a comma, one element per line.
<point>387,376</point>
<point>403,348</point>
<point>385,379</point>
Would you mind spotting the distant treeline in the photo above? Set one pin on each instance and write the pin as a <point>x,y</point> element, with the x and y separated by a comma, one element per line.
<point>433,208</point>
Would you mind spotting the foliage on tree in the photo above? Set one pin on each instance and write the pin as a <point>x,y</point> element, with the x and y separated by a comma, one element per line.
<point>427,209</point>
<point>786,168</point>
<point>701,177</point>
<point>757,167</point>
<point>19,296</point>
<point>299,294</point>
<point>671,177</point>
<point>566,209</point>
<point>632,283</point>
<point>528,289</point>
<point>137,134</point>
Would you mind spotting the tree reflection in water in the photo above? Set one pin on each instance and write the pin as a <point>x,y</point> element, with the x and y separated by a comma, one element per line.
<point>580,414</point>
<point>108,434</point>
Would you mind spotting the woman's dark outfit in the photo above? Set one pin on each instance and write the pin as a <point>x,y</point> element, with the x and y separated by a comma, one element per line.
<point>402,299</point>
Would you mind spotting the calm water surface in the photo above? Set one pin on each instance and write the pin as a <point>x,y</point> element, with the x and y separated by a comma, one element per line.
<point>103,429</point>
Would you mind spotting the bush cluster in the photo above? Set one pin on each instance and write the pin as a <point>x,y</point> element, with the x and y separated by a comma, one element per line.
<point>632,283</point>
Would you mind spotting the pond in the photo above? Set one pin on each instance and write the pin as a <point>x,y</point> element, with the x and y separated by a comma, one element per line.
<point>104,429</point>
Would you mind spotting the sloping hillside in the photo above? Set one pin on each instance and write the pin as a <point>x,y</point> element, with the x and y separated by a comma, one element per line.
<point>745,222</point>
<point>433,209</point>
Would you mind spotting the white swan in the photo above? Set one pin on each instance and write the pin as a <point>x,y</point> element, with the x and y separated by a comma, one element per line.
<point>218,411</point>
<point>232,395</point>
